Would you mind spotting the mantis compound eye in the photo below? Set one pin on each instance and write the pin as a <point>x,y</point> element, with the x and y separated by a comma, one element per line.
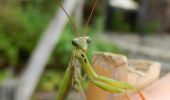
<point>74,43</point>
<point>88,40</point>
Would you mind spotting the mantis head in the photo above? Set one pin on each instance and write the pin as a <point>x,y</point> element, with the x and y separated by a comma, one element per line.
<point>81,42</point>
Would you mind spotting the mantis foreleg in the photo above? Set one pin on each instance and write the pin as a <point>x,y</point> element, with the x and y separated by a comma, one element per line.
<point>72,77</point>
<point>103,82</point>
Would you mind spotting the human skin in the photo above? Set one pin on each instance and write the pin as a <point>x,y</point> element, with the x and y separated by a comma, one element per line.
<point>160,90</point>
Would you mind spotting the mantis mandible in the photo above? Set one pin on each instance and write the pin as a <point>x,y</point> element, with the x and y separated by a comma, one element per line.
<point>72,75</point>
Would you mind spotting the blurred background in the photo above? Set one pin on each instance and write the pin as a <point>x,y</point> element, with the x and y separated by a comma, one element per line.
<point>35,39</point>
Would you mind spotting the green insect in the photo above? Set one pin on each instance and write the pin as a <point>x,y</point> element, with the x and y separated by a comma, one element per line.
<point>72,75</point>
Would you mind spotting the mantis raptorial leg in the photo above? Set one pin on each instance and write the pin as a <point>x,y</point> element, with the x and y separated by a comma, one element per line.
<point>80,45</point>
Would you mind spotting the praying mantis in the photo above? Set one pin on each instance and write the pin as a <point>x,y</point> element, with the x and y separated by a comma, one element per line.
<point>72,76</point>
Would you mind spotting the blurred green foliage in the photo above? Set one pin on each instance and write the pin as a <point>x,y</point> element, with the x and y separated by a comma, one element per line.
<point>152,26</point>
<point>49,80</point>
<point>4,74</point>
<point>21,27</point>
<point>119,23</point>
<point>8,52</point>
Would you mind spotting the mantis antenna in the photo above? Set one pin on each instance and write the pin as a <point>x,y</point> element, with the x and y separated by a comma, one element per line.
<point>94,6</point>
<point>75,28</point>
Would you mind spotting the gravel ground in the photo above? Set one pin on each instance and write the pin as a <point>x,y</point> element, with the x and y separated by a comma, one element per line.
<point>151,47</point>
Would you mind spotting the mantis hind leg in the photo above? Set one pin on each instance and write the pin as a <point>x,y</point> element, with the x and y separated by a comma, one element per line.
<point>116,86</point>
<point>110,88</point>
<point>141,95</point>
<point>120,84</point>
<point>126,95</point>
